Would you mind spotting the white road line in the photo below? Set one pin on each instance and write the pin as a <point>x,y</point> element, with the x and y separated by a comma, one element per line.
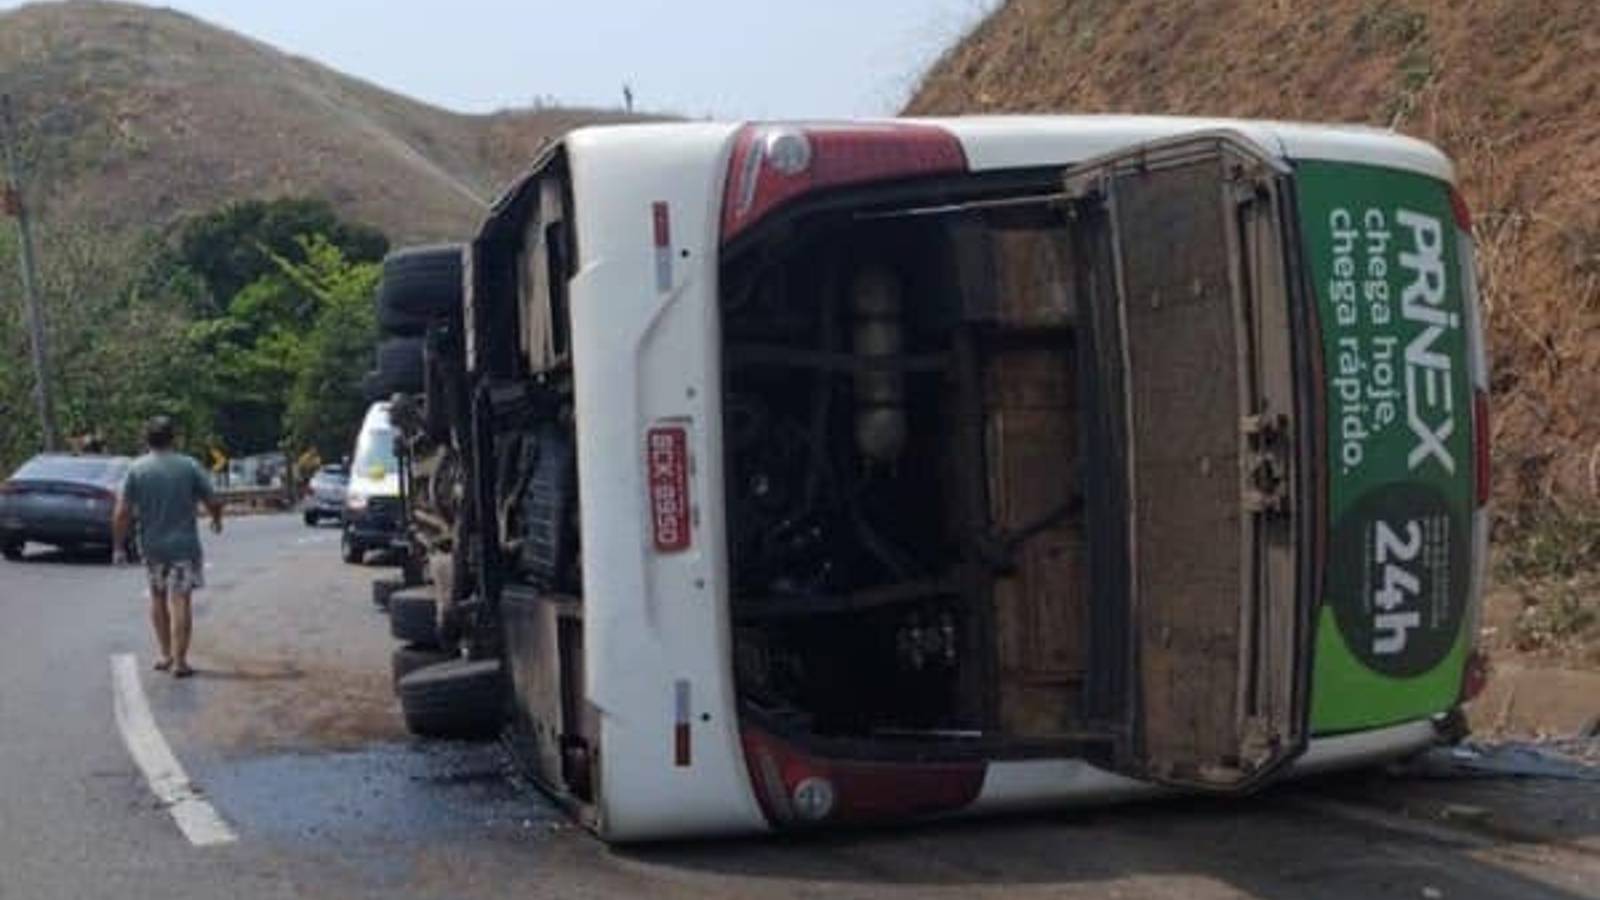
<point>197,819</point>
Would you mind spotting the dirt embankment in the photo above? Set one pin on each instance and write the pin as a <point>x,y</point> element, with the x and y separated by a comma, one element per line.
<point>1510,90</point>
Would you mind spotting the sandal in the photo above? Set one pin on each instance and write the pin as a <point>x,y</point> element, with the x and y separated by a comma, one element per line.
<point>182,671</point>
<point>161,665</point>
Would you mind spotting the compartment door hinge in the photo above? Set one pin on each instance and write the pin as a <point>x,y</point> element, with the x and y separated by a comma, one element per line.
<point>1266,463</point>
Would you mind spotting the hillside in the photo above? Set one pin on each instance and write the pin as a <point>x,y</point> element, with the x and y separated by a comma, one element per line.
<point>135,116</point>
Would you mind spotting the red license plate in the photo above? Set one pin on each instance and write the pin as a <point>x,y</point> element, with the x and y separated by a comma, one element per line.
<point>667,462</point>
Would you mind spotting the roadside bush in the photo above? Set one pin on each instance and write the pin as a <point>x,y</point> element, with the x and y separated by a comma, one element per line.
<point>1551,543</point>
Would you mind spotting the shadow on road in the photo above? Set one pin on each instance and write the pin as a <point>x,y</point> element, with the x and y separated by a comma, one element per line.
<point>209,673</point>
<point>1277,845</point>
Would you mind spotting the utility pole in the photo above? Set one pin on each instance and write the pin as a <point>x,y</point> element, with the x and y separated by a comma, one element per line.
<point>13,203</point>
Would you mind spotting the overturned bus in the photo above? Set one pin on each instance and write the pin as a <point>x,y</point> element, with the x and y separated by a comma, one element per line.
<point>821,474</point>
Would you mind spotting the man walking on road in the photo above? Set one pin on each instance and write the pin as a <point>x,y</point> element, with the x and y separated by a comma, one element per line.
<point>162,491</point>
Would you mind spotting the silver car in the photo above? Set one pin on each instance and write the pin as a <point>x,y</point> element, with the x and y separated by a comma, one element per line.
<point>325,493</point>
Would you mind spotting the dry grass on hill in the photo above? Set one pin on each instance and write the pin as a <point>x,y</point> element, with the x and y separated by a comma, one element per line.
<point>138,116</point>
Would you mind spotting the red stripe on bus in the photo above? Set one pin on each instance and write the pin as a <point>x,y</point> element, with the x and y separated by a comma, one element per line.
<point>680,744</point>
<point>663,224</point>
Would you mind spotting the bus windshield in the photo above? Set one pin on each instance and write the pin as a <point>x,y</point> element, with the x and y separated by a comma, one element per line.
<point>375,449</point>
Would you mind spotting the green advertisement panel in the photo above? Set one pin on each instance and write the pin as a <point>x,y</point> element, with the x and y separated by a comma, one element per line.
<point>1382,250</point>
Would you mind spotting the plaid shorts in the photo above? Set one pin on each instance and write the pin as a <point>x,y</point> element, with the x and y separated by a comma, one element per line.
<point>181,577</point>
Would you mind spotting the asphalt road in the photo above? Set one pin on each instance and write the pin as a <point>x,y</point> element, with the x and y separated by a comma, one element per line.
<point>290,734</point>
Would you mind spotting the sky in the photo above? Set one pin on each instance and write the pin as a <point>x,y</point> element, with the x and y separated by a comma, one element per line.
<point>698,58</point>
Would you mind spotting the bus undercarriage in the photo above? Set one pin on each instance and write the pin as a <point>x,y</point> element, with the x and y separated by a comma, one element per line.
<point>905,485</point>
<point>1009,472</point>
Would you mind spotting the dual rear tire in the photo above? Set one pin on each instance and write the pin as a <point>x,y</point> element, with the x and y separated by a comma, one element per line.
<point>462,699</point>
<point>420,289</point>
<point>441,695</point>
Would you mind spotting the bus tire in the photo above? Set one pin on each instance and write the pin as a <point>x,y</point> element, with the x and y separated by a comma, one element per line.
<point>400,365</point>
<point>420,286</point>
<point>383,589</point>
<point>413,617</point>
<point>411,657</point>
<point>461,698</point>
<point>350,549</point>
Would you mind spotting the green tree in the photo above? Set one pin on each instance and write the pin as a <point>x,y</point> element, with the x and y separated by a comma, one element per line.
<point>267,352</point>
<point>230,248</point>
<point>325,404</point>
<point>133,331</point>
<point>247,377</point>
<point>259,338</point>
<point>117,354</point>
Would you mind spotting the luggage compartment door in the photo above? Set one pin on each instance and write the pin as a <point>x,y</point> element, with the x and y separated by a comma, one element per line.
<point>1190,297</point>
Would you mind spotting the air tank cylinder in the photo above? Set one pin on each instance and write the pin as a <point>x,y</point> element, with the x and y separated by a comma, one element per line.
<point>880,393</point>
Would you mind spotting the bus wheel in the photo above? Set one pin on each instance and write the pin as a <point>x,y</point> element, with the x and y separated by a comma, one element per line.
<point>461,699</point>
<point>413,617</point>
<point>410,658</point>
<point>352,552</point>
<point>383,589</point>
<point>412,569</point>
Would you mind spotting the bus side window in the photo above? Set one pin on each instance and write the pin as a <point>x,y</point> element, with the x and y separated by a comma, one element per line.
<point>557,273</point>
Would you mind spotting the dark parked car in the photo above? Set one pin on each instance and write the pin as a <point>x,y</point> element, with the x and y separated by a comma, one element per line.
<point>325,493</point>
<point>66,501</point>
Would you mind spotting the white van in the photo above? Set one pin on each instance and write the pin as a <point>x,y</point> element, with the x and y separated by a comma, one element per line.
<point>373,516</point>
<point>836,473</point>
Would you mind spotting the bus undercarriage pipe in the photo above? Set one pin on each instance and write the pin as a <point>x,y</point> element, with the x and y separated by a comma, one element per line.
<point>880,392</point>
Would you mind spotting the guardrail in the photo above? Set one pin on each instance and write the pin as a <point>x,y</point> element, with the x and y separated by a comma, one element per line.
<point>255,498</point>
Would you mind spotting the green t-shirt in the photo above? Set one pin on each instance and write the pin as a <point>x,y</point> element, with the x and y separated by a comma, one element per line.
<point>163,489</point>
